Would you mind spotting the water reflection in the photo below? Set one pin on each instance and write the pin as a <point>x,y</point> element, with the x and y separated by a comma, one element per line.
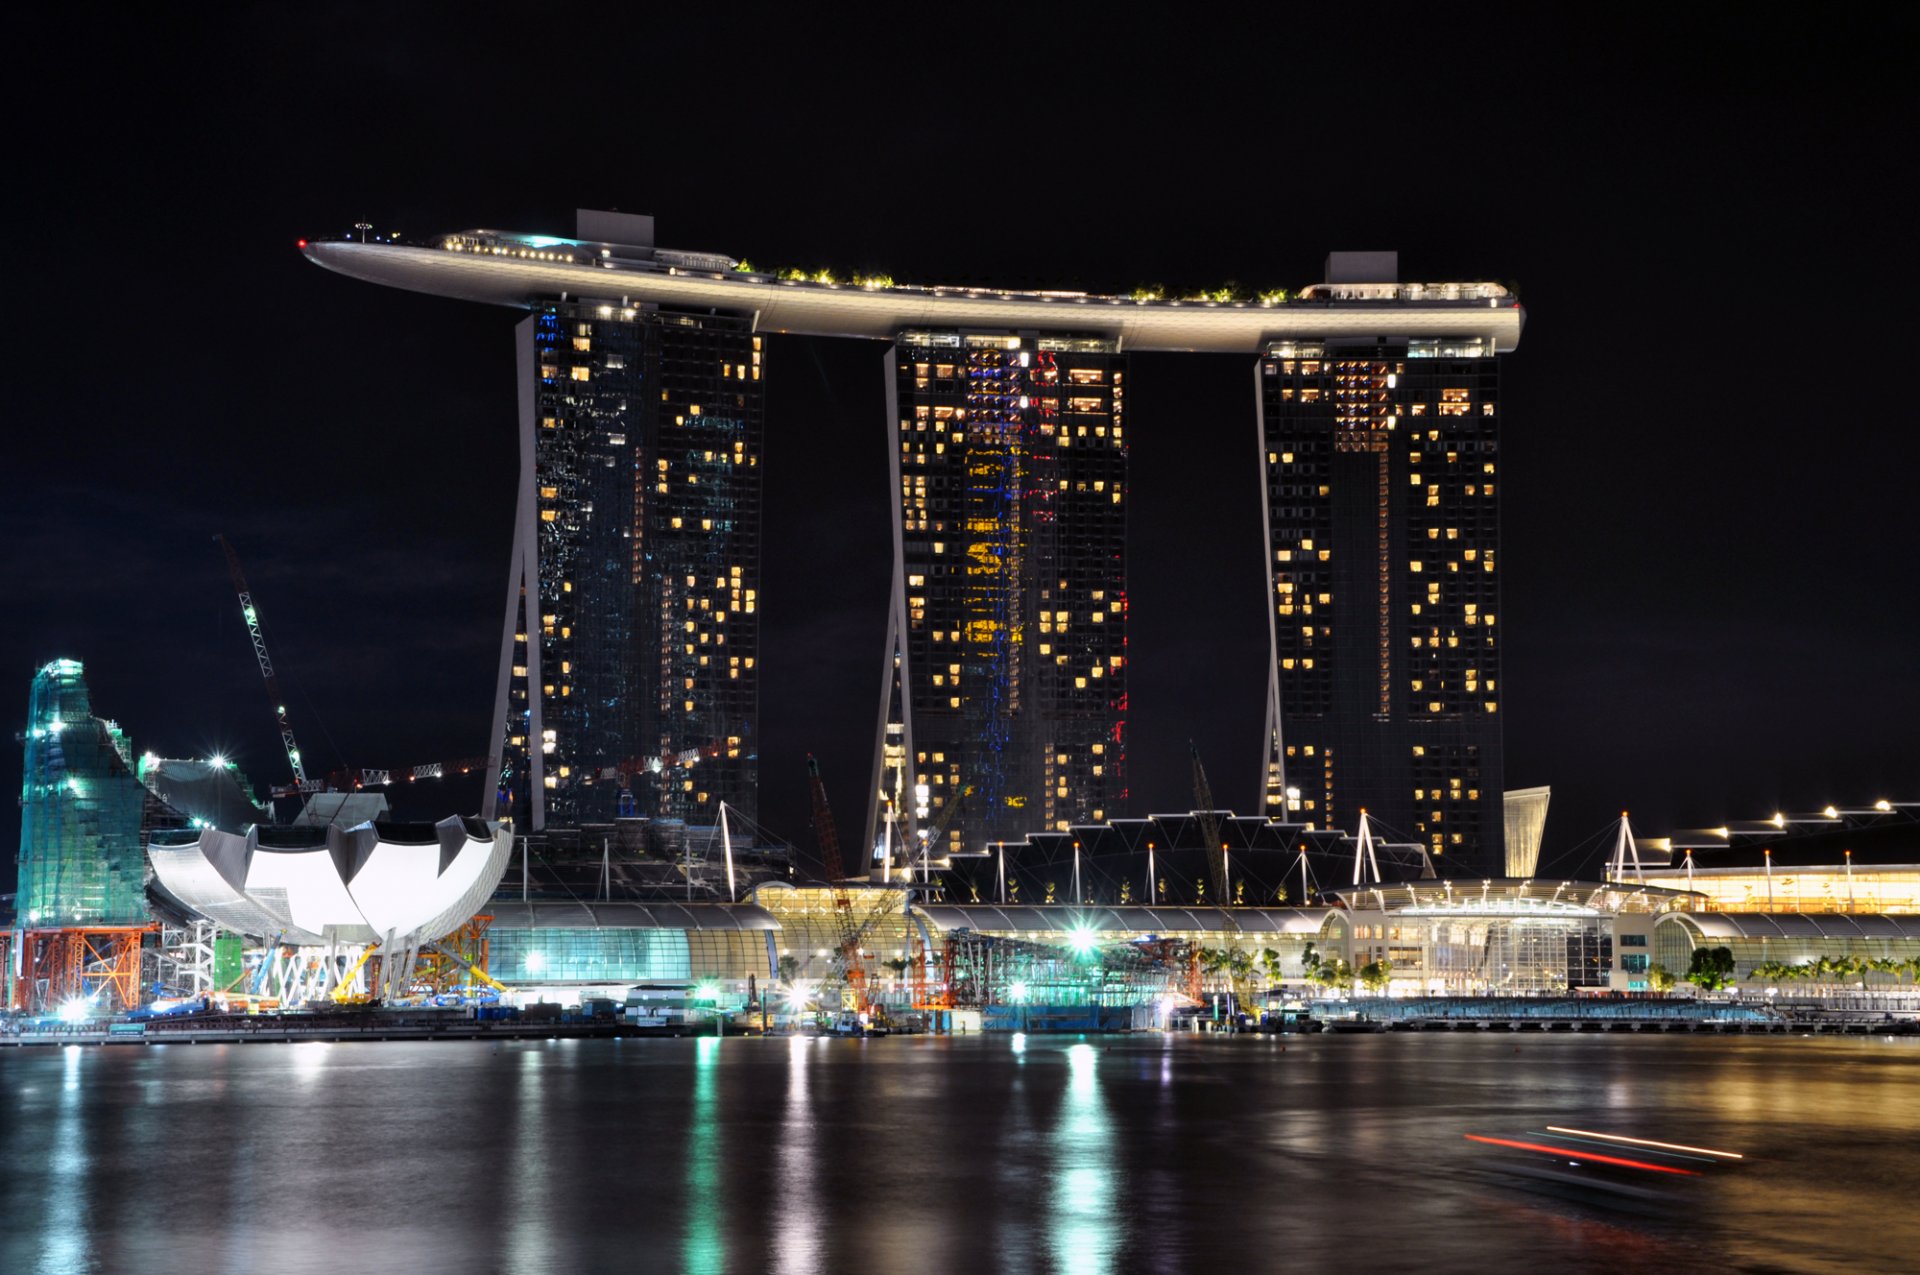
<point>882,1156</point>
<point>797,1227</point>
<point>526,1166</point>
<point>1085,1206</point>
<point>64,1237</point>
<point>704,1248</point>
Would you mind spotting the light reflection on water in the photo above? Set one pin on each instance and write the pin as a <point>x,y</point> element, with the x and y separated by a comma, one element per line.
<point>65,1236</point>
<point>704,1250</point>
<point>524,1165</point>
<point>798,1217</point>
<point>1081,1230</point>
<point>1034,1153</point>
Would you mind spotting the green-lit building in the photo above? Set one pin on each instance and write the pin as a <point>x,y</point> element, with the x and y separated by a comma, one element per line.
<point>82,860</point>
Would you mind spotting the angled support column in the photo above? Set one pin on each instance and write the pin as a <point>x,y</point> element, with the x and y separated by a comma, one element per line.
<point>522,614</point>
<point>1274,803</point>
<point>893,737</point>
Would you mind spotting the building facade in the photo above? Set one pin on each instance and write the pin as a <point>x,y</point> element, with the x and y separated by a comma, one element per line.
<point>82,861</point>
<point>1381,481</point>
<point>630,661</point>
<point>1005,662</point>
<point>1006,689</point>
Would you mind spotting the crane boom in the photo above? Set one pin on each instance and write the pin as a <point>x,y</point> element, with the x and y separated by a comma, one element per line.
<point>826,839</point>
<point>252,616</point>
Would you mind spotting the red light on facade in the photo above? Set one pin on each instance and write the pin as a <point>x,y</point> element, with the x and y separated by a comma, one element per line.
<point>302,243</point>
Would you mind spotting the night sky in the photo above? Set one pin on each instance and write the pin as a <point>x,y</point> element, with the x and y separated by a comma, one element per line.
<point>1709,459</point>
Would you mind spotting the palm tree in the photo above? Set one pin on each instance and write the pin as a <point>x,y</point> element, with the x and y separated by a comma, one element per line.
<point>1376,974</point>
<point>1332,972</point>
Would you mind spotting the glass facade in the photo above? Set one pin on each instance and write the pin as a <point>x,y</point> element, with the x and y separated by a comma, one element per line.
<point>82,857</point>
<point>1499,955</point>
<point>1809,888</point>
<point>1383,525</point>
<point>642,645</point>
<point>1756,941</point>
<point>615,954</point>
<point>1012,507</point>
<point>814,925</point>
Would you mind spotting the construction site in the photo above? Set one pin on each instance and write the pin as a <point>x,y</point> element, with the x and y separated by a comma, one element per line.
<point>159,891</point>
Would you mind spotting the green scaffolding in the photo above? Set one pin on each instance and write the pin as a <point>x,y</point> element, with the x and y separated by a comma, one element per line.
<point>81,860</point>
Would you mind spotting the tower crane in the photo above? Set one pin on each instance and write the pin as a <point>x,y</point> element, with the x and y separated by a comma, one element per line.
<point>301,784</point>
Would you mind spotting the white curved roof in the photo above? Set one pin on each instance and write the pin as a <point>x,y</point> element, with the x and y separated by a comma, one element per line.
<point>1059,919</point>
<point>356,886</point>
<point>816,309</point>
<point>1799,925</point>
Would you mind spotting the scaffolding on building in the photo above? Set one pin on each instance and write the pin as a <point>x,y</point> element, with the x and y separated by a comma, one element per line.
<point>979,971</point>
<point>186,959</point>
<point>82,860</point>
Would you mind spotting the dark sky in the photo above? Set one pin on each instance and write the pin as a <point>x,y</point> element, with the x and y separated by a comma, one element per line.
<point>1709,519</point>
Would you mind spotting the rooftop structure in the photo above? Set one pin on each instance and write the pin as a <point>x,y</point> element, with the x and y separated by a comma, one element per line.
<point>512,269</point>
<point>211,792</point>
<point>1862,858</point>
<point>1195,859</point>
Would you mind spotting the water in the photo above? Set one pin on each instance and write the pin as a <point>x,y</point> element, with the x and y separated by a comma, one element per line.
<point>974,1154</point>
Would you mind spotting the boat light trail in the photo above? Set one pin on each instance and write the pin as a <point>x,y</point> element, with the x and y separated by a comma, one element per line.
<point>1594,1156</point>
<point>1644,1142</point>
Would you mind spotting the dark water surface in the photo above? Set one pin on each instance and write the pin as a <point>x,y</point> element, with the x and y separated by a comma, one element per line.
<point>969,1154</point>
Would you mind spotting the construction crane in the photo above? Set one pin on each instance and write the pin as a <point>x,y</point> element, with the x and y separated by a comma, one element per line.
<point>301,784</point>
<point>938,825</point>
<point>826,839</point>
<point>343,780</point>
<point>1209,828</point>
<point>373,778</point>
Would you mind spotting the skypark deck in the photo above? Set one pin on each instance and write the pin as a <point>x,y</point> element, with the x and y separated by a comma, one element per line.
<point>520,270</point>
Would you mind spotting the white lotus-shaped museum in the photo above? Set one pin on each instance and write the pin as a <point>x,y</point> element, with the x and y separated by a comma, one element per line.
<point>399,885</point>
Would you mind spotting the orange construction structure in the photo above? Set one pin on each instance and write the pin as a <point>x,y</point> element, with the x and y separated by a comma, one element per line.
<point>458,961</point>
<point>100,963</point>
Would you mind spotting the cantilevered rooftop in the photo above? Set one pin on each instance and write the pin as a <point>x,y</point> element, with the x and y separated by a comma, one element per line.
<point>513,269</point>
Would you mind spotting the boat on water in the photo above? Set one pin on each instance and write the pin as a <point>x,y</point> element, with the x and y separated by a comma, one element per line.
<point>1355,1024</point>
